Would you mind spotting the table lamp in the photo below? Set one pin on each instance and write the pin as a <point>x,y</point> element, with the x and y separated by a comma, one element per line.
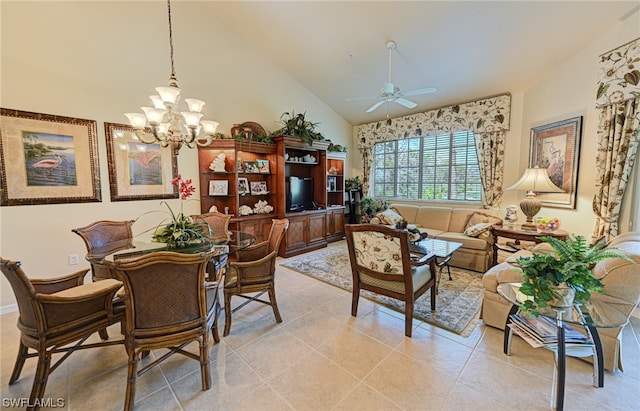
<point>534,180</point>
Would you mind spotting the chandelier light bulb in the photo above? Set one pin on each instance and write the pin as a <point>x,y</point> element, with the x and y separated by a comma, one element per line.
<point>157,101</point>
<point>154,115</point>
<point>192,119</point>
<point>209,126</point>
<point>194,104</point>
<point>137,120</point>
<point>168,94</point>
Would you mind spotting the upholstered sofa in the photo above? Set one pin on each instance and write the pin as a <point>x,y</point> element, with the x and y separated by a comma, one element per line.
<point>446,223</point>
<point>621,283</point>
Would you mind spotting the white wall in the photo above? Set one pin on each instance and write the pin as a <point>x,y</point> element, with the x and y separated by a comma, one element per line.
<point>567,92</point>
<point>98,60</point>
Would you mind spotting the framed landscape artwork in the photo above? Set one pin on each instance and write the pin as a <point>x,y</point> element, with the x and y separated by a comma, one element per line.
<point>138,171</point>
<point>47,159</point>
<point>556,147</point>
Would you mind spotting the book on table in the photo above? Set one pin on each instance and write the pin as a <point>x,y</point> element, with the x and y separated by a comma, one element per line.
<point>541,331</point>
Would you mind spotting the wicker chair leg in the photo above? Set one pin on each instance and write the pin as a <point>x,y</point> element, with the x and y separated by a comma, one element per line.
<point>104,335</point>
<point>274,304</point>
<point>227,314</point>
<point>17,369</point>
<point>132,375</point>
<point>40,379</point>
<point>214,327</point>
<point>205,373</point>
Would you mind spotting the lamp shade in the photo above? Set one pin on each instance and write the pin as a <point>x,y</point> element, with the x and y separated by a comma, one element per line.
<point>536,180</point>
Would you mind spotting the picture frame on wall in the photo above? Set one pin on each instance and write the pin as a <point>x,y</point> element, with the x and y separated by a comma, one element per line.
<point>243,186</point>
<point>259,188</point>
<point>47,159</point>
<point>218,187</point>
<point>556,147</point>
<point>138,171</point>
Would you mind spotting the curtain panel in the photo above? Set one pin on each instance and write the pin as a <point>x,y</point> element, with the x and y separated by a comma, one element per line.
<point>618,98</point>
<point>488,118</point>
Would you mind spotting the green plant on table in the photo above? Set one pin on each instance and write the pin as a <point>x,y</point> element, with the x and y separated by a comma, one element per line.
<point>353,183</point>
<point>569,265</point>
<point>181,231</point>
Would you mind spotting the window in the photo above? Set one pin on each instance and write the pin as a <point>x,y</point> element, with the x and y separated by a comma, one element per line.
<point>441,167</point>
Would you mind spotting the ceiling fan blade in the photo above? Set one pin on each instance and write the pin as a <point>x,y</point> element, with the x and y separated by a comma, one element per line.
<point>375,106</point>
<point>405,102</point>
<point>418,91</point>
<point>363,98</point>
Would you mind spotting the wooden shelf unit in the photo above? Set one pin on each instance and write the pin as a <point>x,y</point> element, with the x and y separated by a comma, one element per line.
<point>237,152</point>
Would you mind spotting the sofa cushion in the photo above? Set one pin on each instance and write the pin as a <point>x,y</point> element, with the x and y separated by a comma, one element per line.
<point>408,211</point>
<point>460,218</point>
<point>480,217</point>
<point>477,229</point>
<point>467,242</point>
<point>389,217</point>
<point>434,217</point>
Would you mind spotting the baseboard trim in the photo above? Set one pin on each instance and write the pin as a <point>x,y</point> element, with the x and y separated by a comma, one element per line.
<point>6,309</point>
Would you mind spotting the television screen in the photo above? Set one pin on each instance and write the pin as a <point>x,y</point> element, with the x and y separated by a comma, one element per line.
<point>300,194</point>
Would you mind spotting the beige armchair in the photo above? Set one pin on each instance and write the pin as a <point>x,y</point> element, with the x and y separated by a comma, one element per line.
<point>381,263</point>
<point>621,283</point>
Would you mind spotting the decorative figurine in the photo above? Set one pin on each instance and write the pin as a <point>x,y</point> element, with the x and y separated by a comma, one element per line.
<point>218,163</point>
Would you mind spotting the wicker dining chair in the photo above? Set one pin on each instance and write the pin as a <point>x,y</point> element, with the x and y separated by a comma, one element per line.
<point>259,250</point>
<point>381,263</point>
<point>214,222</point>
<point>168,304</point>
<point>101,233</point>
<point>55,313</point>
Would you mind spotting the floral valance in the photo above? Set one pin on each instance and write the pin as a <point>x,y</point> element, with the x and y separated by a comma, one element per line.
<point>619,78</point>
<point>481,116</point>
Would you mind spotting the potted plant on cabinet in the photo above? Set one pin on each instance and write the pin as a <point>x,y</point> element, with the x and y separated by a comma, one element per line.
<point>296,125</point>
<point>558,278</point>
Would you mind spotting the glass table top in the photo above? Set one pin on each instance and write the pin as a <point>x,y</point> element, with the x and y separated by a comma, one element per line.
<point>440,248</point>
<point>601,311</point>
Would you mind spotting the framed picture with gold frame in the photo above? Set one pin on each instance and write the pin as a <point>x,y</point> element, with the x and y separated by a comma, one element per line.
<point>47,159</point>
<point>138,171</point>
<point>556,147</point>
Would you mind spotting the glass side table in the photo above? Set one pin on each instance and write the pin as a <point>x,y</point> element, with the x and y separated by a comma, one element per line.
<point>599,312</point>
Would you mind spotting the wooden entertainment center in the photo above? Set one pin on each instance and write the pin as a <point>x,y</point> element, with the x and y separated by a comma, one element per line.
<point>256,172</point>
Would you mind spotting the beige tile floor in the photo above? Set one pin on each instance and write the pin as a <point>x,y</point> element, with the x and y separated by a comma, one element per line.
<point>321,358</point>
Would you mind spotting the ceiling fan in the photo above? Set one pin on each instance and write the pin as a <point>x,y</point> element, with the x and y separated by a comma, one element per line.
<point>390,93</point>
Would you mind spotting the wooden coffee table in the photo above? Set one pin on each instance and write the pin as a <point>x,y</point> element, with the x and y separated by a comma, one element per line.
<point>517,234</point>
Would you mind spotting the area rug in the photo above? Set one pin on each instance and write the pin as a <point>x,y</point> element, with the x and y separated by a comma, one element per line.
<point>457,303</point>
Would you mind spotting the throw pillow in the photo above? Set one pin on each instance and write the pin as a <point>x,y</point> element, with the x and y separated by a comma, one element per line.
<point>389,217</point>
<point>477,229</point>
<point>478,217</point>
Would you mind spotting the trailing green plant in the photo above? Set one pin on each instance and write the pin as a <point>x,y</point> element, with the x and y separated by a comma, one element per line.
<point>337,148</point>
<point>570,263</point>
<point>369,206</point>
<point>297,126</point>
<point>353,183</point>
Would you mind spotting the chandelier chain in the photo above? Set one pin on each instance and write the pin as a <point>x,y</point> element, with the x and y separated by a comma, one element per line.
<point>173,71</point>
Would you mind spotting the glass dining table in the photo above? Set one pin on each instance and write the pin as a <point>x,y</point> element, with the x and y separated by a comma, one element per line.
<point>216,244</point>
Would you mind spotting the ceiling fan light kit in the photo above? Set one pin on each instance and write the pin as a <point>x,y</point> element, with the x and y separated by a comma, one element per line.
<point>392,94</point>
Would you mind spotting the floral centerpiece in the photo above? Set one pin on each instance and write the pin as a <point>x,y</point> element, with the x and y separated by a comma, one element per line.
<point>181,231</point>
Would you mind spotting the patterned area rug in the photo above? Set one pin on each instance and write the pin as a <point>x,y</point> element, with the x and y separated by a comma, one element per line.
<point>457,303</point>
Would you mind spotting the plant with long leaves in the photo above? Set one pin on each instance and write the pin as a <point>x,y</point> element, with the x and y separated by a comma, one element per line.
<point>570,263</point>
<point>181,231</point>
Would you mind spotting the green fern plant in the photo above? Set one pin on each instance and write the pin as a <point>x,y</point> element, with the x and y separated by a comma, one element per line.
<point>571,263</point>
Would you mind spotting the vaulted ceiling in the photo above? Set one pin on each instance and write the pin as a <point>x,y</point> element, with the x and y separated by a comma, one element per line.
<point>465,49</point>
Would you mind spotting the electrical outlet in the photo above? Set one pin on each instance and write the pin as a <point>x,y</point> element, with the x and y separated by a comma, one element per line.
<point>74,259</point>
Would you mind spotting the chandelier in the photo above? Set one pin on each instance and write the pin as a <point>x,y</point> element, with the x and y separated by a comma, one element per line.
<point>164,124</point>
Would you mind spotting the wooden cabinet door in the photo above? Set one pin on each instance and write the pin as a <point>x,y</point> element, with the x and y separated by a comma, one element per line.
<point>338,223</point>
<point>297,233</point>
<point>317,228</point>
<point>256,227</point>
